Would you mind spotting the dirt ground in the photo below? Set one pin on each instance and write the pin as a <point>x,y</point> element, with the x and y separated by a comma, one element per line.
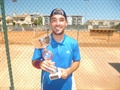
<point>83,37</point>
<point>95,71</point>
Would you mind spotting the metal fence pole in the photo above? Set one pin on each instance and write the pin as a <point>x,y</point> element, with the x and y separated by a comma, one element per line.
<point>78,34</point>
<point>109,36</point>
<point>6,44</point>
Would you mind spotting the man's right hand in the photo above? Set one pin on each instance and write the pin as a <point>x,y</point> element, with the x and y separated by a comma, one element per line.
<point>47,65</point>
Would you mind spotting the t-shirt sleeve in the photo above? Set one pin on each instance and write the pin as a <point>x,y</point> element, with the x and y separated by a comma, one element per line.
<point>37,55</point>
<point>76,52</point>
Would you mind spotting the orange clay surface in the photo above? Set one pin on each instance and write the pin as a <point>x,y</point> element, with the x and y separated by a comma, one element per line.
<point>94,73</point>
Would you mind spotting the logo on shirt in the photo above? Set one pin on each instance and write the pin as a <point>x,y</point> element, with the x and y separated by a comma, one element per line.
<point>68,51</point>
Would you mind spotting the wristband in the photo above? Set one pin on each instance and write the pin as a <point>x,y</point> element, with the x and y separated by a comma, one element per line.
<point>36,64</point>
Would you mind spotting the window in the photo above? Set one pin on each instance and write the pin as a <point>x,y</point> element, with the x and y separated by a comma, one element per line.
<point>90,23</point>
<point>79,18</point>
<point>100,23</point>
<point>112,23</point>
<point>21,19</point>
<point>74,22</point>
<point>74,18</point>
<point>46,20</point>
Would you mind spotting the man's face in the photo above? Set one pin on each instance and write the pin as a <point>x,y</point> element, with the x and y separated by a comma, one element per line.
<point>58,24</point>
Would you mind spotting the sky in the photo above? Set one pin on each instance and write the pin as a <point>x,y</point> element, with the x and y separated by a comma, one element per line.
<point>89,9</point>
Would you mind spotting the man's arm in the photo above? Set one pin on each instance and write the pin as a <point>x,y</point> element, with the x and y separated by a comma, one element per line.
<point>74,66</point>
<point>66,72</point>
<point>46,65</point>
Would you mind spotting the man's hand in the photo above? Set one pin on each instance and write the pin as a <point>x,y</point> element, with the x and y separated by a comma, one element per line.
<point>47,65</point>
<point>65,73</point>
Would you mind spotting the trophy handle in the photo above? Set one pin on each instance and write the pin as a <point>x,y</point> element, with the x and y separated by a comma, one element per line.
<point>41,43</point>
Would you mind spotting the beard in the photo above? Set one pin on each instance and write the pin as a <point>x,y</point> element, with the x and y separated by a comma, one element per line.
<point>58,33</point>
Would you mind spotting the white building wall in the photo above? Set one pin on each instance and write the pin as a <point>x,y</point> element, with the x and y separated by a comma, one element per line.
<point>69,19</point>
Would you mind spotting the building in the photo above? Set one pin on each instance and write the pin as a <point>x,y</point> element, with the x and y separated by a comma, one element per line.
<point>76,20</point>
<point>29,18</point>
<point>22,19</point>
<point>101,23</point>
<point>72,19</point>
<point>18,19</point>
<point>9,20</point>
<point>45,19</point>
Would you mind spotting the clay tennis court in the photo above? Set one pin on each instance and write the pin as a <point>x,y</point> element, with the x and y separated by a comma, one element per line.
<point>96,71</point>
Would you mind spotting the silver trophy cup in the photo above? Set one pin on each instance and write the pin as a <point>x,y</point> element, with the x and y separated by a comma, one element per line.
<point>47,55</point>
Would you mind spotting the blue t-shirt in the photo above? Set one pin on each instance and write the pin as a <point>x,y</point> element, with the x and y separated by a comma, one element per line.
<point>64,53</point>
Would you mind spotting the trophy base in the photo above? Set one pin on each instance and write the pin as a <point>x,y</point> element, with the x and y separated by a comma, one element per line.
<point>56,75</point>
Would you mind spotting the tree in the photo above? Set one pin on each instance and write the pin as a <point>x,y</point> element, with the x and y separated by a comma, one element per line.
<point>13,23</point>
<point>38,21</point>
<point>116,27</point>
<point>24,25</point>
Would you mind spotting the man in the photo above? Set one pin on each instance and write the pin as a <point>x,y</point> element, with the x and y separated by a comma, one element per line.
<point>66,55</point>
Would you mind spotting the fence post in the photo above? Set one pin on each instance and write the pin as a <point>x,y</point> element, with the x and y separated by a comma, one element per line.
<point>78,34</point>
<point>109,36</point>
<point>6,44</point>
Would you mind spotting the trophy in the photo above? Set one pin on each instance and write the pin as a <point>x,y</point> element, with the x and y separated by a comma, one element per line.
<point>42,43</point>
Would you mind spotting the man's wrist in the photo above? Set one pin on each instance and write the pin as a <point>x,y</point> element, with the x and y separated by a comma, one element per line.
<point>69,71</point>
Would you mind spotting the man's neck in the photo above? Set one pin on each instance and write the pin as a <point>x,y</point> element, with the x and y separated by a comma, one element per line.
<point>58,38</point>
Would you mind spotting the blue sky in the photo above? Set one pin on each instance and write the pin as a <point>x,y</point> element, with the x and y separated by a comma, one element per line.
<point>89,9</point>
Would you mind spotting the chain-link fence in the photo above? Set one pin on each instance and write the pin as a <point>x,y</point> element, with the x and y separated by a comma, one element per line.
<point>94,24</point>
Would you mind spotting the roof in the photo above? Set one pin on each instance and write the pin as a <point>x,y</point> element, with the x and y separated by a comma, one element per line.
<point>103,20</point>
<point>104,29</point>
<point>9,18</point>
<point>22,15</point>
